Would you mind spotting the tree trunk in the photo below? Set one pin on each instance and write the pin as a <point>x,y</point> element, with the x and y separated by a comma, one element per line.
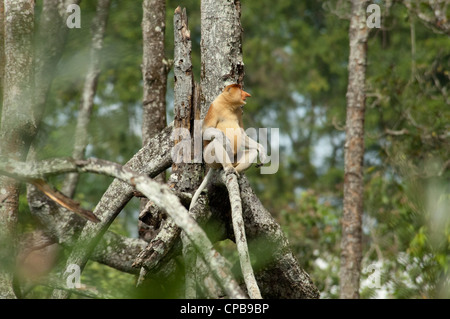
<point>2,49</point>
<point>154,68</point>
<point>222,64</point>
<point>51,40</point>
<point>18,124</point>
<point>351,246</point>
<point>154,73</point>
<point>220,48</point>
<point>185,176</point>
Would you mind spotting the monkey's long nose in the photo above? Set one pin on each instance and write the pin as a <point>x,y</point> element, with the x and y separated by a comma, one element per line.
<point>245,95</point>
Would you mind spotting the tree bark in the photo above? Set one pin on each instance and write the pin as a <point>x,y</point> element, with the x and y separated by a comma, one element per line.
<point>152,159</point>
<point>160,194</point>
<point>2,49</point>
<point>279,276</point>
<point>185,175</point>
<point>351,244</point>
<point>154,73</point>
<point>62,227</point>
<point>18,123</point>
<point>220,48</point>
<point>222,64</point>
<point>89,90</point>
<point>154,68</point>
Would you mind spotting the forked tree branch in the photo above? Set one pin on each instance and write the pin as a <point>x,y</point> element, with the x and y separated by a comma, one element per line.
<point>151,160</point>
<point>160,194</point>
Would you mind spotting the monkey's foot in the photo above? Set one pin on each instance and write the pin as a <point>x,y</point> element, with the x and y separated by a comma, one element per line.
<point>231,170</point>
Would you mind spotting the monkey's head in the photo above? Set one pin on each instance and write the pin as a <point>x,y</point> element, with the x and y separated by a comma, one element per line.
<point>235,95</point>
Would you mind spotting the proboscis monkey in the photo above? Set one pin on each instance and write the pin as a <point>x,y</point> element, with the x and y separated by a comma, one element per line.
<point>239,151</point>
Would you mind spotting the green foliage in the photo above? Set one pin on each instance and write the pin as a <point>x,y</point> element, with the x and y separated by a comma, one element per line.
<point>107,281</point>
<point>296,70</point>
<point>314,230</point>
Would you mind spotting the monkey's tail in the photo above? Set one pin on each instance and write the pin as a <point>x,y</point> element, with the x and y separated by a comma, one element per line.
<point>200,188</point>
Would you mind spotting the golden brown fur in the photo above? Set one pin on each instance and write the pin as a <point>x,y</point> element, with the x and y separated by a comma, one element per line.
<point>225,112</point>
<point>225,115</point>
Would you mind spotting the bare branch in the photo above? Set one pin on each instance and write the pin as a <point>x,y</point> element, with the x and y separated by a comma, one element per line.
<point>158,246</point>
<point>164,245</point>
<point>153,190</point>
<point>436,18</point>
<point>84,291</point>
<point>62,227</point>
<point>118,252</point>
<point>152,159</point>
<point>63,200</point>
<point>396,133</point>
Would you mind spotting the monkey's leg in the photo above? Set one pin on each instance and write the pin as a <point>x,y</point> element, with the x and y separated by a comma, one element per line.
<point>216,156</point>
<point>247,158</point>
<point>252,145</point>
